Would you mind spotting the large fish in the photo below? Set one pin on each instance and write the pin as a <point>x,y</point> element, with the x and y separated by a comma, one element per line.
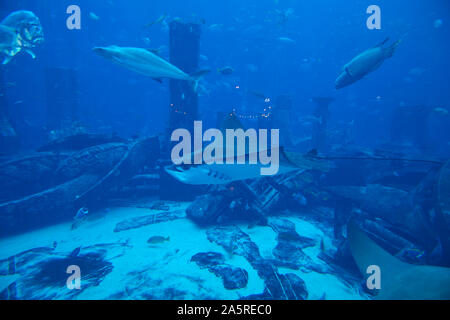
<point>225,173</point>
<point>399,280</point>
<point>21,30</point>
<point>214,174</point>
<point>365,63</point>
<point>145,62</point>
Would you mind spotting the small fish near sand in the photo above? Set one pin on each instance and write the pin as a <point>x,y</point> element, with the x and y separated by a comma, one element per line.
<point>79,218</point>
<point>158,240</point>
<point>75,252</point>
<point>81,214</point>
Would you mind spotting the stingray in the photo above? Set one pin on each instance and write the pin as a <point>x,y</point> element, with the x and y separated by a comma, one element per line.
<point>399,280</point>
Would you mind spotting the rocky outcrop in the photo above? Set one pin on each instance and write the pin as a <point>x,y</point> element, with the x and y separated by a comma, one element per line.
<point>225,204</point>
<point>277,286</point>
<point>232,277</point>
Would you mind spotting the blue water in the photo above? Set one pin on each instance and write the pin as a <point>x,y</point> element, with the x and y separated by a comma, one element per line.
<point>245,35</point>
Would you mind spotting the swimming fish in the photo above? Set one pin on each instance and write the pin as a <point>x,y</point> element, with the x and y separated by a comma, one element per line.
<point>21,30</point>
<point>93,16</point>
<point>365,63</point>
<point>75,253</point>
<point>147,63</point>
<point>441,111</point>
<point>399,280</point>
<point>161,19</point>
<point>83,212</point>
<point>226,71</point>
<point>215,174</point>
<point>257,94</point>
<point>286,40</point>
<point>157,239</point>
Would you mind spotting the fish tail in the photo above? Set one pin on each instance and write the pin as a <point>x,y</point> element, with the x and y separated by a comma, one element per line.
<point>391,50</point>
<point>196,77</point>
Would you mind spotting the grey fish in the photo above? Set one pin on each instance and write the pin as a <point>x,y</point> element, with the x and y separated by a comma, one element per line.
<point>226,71</point>
<point>215,174</point>
<point>28,34</point>
<point>147,63</point>
<point>365,63</point>
<point>83,212</point>
<point>157,239</point>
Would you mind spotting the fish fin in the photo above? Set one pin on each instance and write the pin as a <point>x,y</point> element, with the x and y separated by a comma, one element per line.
<point>75,252</point>
<point>155,51</point>
<point>382,43</point>
<point>167,238</point>
<point>31,53</point>
<point>158,80</point>
<point>347,71</point>
<point>389,52</point>
<point>196,76</point>
<point>312,153</point>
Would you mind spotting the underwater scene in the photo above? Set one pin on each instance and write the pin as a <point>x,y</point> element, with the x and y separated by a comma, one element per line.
<point>224,150</point>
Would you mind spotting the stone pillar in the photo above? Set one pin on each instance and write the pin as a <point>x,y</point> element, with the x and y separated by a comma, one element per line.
<point>183,107</point>
<point>184,54</point>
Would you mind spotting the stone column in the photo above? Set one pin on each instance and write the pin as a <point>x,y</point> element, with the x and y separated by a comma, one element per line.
<point>184,53</point>
<point>183,106</point>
